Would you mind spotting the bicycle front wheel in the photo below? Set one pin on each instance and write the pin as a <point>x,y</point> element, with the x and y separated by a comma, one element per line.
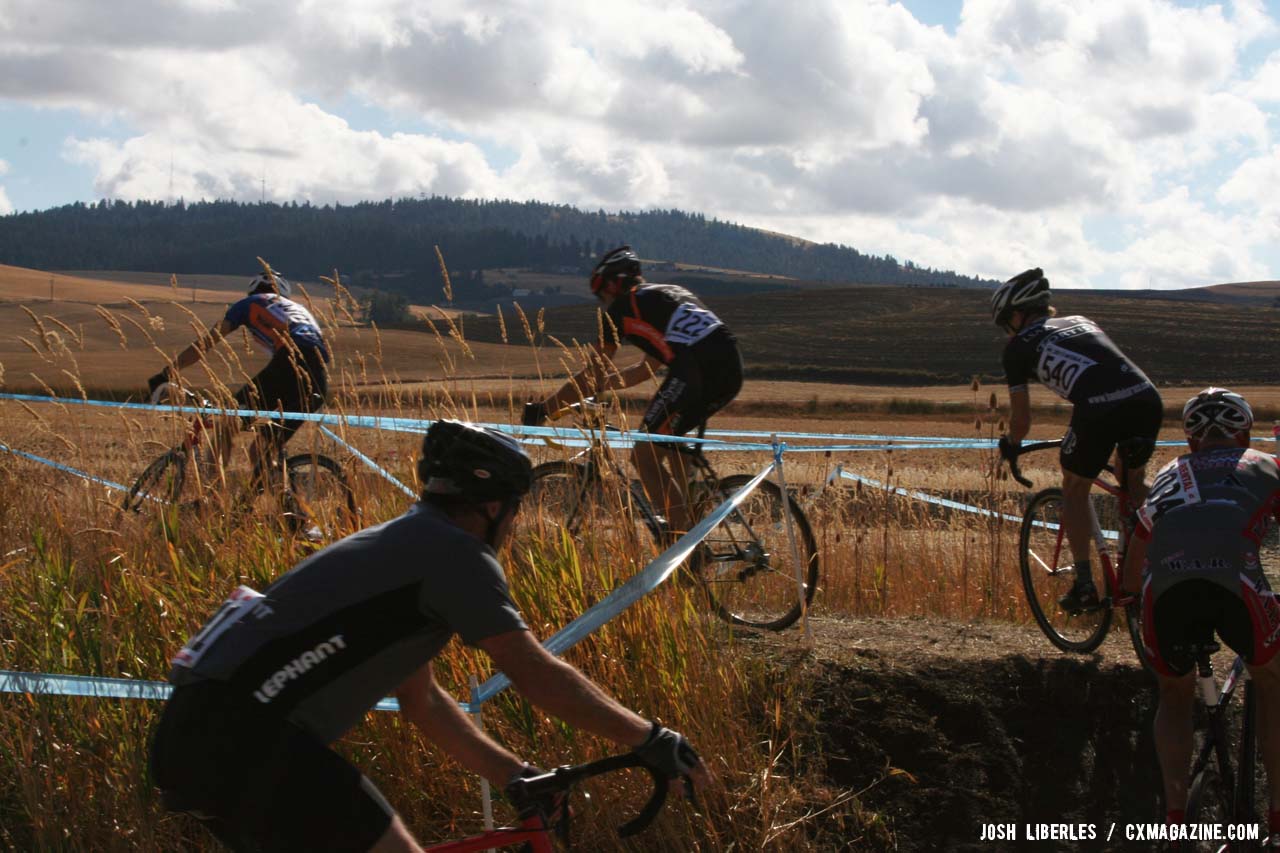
<point>160,482</point>
<point>747,564</point>
<point>555,500</point>
<point>319,502</point>
<point>1048,572</point>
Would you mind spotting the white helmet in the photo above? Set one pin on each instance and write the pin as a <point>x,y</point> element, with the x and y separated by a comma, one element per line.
<point>1025,290</point>
<point>270,284</point>
<point>1216,409</point>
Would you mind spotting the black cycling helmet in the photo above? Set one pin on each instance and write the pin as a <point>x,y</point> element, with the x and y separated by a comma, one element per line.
<point>620,261</point>
<point>1217,409</point>
<point>270,284</point>
<point>472,464</point>
<point>1025,290</point>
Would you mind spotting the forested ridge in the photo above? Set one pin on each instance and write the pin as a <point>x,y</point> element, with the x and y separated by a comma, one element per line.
<point>399,237</point>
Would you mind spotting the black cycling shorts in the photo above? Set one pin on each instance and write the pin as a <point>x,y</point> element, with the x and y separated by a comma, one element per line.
<point>1188,614</point>
<point>1093,435</point>
<point>260,783</point>
<point>293,381</point>
<point>695,389</point>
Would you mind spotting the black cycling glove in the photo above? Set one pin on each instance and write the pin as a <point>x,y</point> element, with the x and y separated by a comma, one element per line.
<point>159,379</point>
<point>1009,449</point>
<point>667,752</point>
<point>535,414</point>
<point>546,806</point>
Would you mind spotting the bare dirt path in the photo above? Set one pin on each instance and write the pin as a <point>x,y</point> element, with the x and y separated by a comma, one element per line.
<point>945,726</point>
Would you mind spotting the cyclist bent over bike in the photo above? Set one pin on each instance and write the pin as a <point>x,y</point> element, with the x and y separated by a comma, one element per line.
<point>677,331</point>
<point>275,677</point>
<point>1198,538</point>
<point>1115,407</point>
<point>295,380</point>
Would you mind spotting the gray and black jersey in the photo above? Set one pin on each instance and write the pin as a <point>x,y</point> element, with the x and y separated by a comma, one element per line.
<point>1206,515</point>
<point>1076,360</point>
<point>325,642</point>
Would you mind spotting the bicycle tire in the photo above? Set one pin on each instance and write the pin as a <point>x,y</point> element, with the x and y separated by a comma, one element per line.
<point>162,480</point>
<point>1042,548</point>
<point>752,582</point>
<point>1208,802</point>
<point>556,495</point>
<point>1133,622</point>
<point>319,499</point>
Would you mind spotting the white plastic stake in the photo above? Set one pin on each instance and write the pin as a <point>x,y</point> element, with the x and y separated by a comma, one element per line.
<point>486,796</point>
<point>795,540</point>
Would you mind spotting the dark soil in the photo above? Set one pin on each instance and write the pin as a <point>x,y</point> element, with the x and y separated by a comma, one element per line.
<point>944,727</point>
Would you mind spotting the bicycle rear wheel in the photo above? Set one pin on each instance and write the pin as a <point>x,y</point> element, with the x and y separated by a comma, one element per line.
<point>159,483</point>
<point>319,501</point>
<point>1048,572</point>
<point>746,563</point>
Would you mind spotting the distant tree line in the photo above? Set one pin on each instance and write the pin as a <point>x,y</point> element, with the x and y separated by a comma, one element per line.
<point>391,243</point>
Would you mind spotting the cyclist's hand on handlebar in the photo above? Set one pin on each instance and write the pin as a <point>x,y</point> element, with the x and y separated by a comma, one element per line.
<point>1009,449</point>
<point>535,414</point>
<point>669,754</point>
<point>529,805</point>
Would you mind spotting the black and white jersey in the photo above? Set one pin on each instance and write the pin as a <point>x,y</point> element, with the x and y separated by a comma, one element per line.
<point>1075,359</point>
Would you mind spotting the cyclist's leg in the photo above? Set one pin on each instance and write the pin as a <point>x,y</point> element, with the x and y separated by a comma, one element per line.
<point>1137,424</point>
<point>1086,447</point>
<point>655,461</point>
<point>293,381</point>
<point>1175,622</point>
<point>396,839</point>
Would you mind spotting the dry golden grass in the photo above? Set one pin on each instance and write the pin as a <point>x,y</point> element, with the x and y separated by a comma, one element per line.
<point>84,591</point>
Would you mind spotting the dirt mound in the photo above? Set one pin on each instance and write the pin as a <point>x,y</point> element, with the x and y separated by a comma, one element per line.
<point>945,727</point>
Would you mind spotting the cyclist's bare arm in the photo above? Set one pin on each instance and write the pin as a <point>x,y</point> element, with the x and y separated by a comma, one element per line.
<point>558,688</point>
<point>425,704</point>
<point>597,376</point>
<point>641,371</point>
<point>195,352</point>
<point>1019,414</point>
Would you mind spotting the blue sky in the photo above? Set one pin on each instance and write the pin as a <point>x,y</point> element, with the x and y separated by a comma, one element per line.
<point>1116,143</point>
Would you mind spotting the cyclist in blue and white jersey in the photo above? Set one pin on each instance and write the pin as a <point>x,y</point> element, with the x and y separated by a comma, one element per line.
<point>1115,406</point>
<point>677,333</point>
<point>294,380</point>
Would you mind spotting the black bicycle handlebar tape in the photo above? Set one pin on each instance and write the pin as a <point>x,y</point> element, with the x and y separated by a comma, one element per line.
<point>1016,470</point>
<point>563,778</point>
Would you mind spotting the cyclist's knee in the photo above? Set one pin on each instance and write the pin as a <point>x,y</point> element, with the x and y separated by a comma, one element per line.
<point>1074,486</point>
<point>396,839</point>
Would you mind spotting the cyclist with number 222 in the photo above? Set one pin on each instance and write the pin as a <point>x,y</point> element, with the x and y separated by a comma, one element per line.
<point>1198,538</point>
<point>295,380</point>
<point>1115,407</point>
<point>677,331</point>
<point>274,678</point>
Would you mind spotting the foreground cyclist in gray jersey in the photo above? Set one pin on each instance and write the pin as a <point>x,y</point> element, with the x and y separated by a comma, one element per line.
<point>1198,538</point>
<point>274,678</point>
<point>1114,407</point>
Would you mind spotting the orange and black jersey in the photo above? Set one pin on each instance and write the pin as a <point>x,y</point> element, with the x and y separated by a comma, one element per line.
<point>666,322</point>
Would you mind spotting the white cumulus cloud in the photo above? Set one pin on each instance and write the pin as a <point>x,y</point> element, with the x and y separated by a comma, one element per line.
<point>1012,141</point>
